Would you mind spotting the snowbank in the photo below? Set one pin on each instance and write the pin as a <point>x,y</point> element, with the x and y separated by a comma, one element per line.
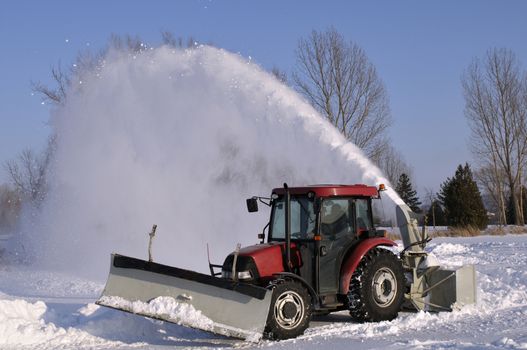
<point>22,323</point>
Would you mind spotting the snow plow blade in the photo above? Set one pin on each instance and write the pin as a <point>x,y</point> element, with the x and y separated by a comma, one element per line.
<point>188,298</point>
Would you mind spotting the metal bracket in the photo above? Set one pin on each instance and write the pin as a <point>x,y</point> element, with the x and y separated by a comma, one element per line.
<point>152,235</point>
<point>236,252</point>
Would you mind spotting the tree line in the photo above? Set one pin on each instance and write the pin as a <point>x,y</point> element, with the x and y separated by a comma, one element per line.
<point>337,78</point>
<point>457,204</point>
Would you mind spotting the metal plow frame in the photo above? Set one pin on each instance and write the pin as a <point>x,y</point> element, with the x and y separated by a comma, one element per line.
<point>236,309</point>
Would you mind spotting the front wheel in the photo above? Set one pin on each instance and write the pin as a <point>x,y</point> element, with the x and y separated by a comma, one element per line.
<point>290,311</point>
<point>377,287</point>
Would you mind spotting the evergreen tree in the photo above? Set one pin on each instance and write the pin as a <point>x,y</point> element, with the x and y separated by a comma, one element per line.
<point>436,215</point>
<point>509,210</point>
<point>462,201</point>
<point>407,193</point>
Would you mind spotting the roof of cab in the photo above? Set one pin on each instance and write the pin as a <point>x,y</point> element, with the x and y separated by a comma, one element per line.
<point>330,190</point>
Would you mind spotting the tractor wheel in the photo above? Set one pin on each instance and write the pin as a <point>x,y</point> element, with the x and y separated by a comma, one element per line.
<point>290,311</point>
<point>377,287</point>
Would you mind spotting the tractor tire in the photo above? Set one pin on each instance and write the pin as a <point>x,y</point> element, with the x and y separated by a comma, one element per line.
<point>290,311</point>
<point>377,287</point>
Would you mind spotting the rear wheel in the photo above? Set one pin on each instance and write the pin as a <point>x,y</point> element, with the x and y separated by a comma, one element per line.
<point>377,287</point>
<point>290,311</point>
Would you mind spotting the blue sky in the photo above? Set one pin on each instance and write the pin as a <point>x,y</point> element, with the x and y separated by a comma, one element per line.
<point>420,49</point>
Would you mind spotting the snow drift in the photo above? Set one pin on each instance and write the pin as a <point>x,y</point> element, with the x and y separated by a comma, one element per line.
<point>179,138</point>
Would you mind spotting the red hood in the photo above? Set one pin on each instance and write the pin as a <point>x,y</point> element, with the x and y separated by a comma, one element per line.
<point>268,257</point>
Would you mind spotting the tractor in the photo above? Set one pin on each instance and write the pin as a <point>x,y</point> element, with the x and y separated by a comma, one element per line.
<point>320,253</point>
<point>323,254</point>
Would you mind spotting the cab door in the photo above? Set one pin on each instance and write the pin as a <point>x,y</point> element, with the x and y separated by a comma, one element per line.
<point>337,230</point>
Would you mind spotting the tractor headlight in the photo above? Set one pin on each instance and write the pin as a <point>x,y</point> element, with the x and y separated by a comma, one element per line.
<point>242,275</point>
<point>246,270</point>
<point>245,275</point>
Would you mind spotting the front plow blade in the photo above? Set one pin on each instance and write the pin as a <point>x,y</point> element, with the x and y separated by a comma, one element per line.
<point>186,297</point>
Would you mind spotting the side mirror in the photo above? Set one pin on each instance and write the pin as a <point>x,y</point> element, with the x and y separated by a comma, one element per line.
<point>252,204</point>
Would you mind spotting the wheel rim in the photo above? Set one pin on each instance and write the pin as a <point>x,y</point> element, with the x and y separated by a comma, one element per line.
<point>289,309</point>
<point>384,287</point>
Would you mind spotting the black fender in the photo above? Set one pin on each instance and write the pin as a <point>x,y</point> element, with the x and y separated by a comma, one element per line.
<point>314,296</point>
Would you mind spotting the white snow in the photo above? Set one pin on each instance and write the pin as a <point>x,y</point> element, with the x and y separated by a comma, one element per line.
<point>163,307</point>
<point>35,315</point>
<point>23,323</point>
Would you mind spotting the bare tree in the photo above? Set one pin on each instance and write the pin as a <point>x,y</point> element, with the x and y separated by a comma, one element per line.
<point>393,165</point>
<point>28,173</point>
<point>279,74</point>
<point>56,95</point>
<point>496,108</point>
<point>128,43</point>
<point>490,177</point>
<point>168,38</point>
<point>86,61</point>
<point>338,79</point>
<point>431,197</point>
<point>10,205</point>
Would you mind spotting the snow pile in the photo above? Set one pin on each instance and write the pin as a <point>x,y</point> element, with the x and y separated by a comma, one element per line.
<point>452,255</point>
<point>179,138</point>
<point>166,308</point>
<point>446,249</point>
<point>22,323</point>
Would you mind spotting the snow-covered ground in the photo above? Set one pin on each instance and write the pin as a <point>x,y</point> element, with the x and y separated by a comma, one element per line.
<point>52,310</point>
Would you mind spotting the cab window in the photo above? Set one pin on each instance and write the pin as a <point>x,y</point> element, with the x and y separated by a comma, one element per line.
<point>336,220</point>
<point>303,218</point>
<point>363,215</point>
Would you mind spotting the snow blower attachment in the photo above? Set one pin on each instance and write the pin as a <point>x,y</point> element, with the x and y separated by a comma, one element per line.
<point>432,288</point>
<point>322,255</point>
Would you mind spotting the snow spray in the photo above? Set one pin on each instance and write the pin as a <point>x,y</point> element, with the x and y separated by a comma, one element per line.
<point>179,138</point>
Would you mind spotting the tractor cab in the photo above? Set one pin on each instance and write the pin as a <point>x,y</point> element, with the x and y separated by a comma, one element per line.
<point>316,228</point>
<point>343,210</point>
<point>340,215</point>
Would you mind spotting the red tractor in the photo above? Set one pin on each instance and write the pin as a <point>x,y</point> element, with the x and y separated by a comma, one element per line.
<point>323,254</point>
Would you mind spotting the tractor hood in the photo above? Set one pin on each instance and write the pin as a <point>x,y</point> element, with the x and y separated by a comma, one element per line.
<point>269,257</point>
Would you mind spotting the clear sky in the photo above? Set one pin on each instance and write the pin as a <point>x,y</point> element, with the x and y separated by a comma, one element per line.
<point>420,49</point>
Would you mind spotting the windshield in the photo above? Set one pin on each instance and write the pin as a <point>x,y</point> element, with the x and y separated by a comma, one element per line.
<point>302,218</point>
